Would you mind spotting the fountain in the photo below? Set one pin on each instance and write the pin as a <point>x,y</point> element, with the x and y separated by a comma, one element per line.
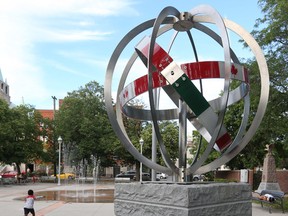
<point>83,190</point>
<point>76,196</point>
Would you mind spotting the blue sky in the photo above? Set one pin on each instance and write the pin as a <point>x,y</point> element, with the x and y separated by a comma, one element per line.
<point>49,48</point>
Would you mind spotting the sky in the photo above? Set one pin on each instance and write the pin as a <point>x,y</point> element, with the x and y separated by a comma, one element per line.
<point>51,47</point>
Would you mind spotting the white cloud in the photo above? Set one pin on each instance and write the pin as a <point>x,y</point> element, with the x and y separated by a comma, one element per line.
<point>109,8</point>
<point>23,24</point>
<point>64,7</point>
<point>72,35</point>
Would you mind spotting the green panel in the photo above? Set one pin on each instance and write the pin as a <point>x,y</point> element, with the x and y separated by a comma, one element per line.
<point>191,95</point>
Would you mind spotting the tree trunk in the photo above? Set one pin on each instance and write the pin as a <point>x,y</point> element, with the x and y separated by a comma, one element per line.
<point>18,173</point>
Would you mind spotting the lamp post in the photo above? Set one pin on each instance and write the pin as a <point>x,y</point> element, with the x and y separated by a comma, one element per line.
<point>141,141</point>
<point>59,167</point>
<point>54,137</point>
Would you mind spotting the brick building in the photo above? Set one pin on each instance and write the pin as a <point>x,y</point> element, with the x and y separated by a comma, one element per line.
<point>49,113</point>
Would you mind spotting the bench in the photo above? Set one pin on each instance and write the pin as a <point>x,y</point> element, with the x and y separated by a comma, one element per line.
<point>278,195</point>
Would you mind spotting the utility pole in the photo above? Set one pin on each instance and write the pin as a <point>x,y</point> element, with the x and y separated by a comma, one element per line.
<point>54,137</point>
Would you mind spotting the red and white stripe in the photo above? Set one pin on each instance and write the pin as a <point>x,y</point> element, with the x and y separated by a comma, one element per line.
<point>195,70</point>
<point>200,70</point>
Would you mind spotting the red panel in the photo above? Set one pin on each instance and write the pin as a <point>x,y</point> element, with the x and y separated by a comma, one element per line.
<point>224,141</point>
<point>141,84</point>
<point>201,70</point>
<point>160,58</point>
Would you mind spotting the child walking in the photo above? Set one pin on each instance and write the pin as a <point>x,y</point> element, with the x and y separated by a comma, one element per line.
<point>29,203</point>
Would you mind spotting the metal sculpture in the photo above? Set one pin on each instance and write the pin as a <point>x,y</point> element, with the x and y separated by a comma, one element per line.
<point>163,72</point>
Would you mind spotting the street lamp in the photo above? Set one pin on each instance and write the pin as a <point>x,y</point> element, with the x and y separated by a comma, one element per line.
<point>59,168</point>
<point>141,141</point>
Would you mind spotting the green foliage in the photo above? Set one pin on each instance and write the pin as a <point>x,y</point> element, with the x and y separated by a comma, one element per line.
<point>19,134</point>
<point>271,33</point>
<point>257,176</point>
<point>83,123</point>
<point>252,155</point>
<point>137,129</point>
<point>49,152</point>
<point>170,137</point>
<point>133,129</point>
<point>271,30</point>
<point>198,148</point>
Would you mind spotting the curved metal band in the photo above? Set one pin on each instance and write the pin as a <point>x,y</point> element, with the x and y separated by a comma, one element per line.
<point>246,36</point>
<point>215,16</point>
<point>168,11</point>
<point>116,122</point>
<point>218,104</point>
<point>194,71</point>
<point>168,114</point>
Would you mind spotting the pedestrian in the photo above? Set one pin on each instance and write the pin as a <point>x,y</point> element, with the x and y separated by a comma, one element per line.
<point>29,203</point>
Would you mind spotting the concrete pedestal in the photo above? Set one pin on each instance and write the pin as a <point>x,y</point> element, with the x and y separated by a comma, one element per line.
<point>268,186</point>
<point>269,178</point>
<point>172,199</point>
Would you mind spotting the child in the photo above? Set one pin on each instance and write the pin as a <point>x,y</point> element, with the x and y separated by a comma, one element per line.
<point>29,203</point>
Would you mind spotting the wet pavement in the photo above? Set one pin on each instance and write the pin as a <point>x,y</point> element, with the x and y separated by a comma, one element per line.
<point>11,200</point>
<point>76,196</point>
<point>53,202</point>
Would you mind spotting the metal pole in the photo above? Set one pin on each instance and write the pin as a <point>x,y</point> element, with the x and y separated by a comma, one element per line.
<point>156,93</point>
<point>141,166</point>
<point>141,141</point>
<point>182,139</point>
<point>54,137</point>
<point>154,153</point>
<point>59,167</point>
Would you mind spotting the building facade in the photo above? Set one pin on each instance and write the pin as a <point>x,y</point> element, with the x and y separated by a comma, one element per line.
<point>4,89</point>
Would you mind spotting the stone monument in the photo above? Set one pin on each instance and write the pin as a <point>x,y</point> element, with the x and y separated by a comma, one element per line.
<point>269,178</point>
<point>162,72</point>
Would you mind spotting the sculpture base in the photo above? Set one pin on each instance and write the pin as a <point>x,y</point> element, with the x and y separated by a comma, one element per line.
<point>268,186</point>
<point>183,199</point>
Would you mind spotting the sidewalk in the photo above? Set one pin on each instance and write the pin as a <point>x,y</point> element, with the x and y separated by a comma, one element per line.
<point>11,207</point>
<point>10,204</point>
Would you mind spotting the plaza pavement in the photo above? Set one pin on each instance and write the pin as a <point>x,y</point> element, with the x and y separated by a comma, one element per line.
<point>10,206</point>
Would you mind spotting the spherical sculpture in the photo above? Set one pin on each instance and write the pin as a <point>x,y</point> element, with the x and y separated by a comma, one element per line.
<point>176,81</point>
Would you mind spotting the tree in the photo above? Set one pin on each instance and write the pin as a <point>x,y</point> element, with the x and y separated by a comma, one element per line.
<point>83,123</point>
<point>170,135</point>
<point>6,133</point>
<point>271,32</point>
<point>49,142</point>
<point>273,38</point>
<point>20,132</point>
<point>198,148</point>
<point>137,129</point>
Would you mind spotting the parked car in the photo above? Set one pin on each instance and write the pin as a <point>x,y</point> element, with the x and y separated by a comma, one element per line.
<point>199,177</point>
<point>145,177</point>
<point>129,174</point>
<point>9,177</point>
<point>160,176</point>
<point>69,176</point>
